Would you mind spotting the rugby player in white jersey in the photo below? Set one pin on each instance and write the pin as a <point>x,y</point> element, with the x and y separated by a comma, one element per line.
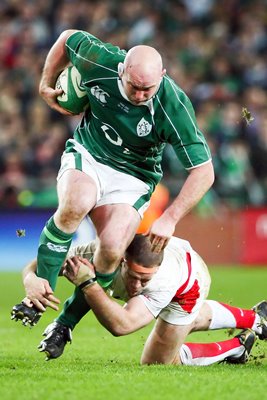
<point>171,287</point>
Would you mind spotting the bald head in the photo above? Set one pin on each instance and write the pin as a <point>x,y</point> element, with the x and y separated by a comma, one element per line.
<point>144,65</point>
<point>141,73</point>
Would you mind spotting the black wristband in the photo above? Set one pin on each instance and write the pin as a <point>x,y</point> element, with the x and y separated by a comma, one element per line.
<point>89,282</point>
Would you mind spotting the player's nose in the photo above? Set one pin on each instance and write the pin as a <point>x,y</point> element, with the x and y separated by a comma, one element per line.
<point>140,95</point>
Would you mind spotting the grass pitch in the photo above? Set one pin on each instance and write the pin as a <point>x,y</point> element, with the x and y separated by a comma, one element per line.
<point>98,366</point>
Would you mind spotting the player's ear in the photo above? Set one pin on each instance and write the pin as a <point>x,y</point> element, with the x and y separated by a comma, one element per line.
<point>163,72</point>
<point>120,69</point>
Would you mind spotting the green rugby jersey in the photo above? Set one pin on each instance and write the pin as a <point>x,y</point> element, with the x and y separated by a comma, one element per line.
<point>121,135</point>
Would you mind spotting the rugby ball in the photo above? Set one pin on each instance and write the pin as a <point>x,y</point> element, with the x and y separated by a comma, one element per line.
<point>74,97</point>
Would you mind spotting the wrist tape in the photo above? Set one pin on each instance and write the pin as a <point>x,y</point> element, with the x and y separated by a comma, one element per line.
<point>87,283</point>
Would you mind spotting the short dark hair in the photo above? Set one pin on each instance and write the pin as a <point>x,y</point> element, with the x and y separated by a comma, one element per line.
<point>139,251</point>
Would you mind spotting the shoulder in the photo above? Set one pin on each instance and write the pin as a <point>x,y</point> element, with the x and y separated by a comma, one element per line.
<point>176,243</point>
<point>172,95</point>
<point>84,41</point>
<point>92,57</point>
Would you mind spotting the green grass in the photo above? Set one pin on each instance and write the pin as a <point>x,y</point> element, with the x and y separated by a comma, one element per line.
<point>99,366</point>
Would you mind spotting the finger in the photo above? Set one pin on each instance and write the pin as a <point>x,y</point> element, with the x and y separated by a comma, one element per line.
<point>57,107</point>
<point>27,301</point>
<point>72,261</point>
<point>52,305</point>
<point>69,266</point>
<point>48,288</point>
<point>66,273</point>
<point>44,303</point>
<point>159,245</point>
<point>54,299</point>
<point>38,305</point>
<point>155,242</point>
<point>58,92</point>
<point>75,260</point>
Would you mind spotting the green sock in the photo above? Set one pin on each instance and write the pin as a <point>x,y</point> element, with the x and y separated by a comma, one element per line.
<point>104,280</point>
<point>53,248</point>
<point>75,307</point>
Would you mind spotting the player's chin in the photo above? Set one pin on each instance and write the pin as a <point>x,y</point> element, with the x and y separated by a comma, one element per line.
<point>133,293</point>
<point>136,102</point>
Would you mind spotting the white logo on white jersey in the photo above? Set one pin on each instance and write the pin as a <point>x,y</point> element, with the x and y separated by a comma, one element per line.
<point>99,94</point>
<point>143,127</point>
<point>57,247</point>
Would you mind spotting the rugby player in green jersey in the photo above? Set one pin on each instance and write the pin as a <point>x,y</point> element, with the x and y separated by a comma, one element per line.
<point>113,162</point>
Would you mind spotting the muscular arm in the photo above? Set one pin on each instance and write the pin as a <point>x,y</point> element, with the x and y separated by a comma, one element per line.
<point>115,318</point>
<point>198,182</point>
<point>56,61</point>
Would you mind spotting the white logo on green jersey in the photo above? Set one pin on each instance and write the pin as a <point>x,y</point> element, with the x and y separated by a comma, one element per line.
<point>76,81</point>
<point>143,127</point>
<point>99,94</point>
<point>118,141</point>
<point>57,247</point>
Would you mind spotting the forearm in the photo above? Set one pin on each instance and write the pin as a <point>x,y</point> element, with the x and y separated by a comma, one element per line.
<point>29,269</point>
<point>115,318</point>
<point>56,61</point>
<point>198,182</point>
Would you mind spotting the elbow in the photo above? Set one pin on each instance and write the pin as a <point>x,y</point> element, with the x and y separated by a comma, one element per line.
<point>210,175</point>
<point>115,333</point>
<point>117,330</point>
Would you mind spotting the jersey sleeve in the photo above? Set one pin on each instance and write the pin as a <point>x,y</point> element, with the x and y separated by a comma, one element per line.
<point>158,293</point>
<point>181,129</point>
<point>85,251</point>
<point>88,54</point>
<point>156,302</point>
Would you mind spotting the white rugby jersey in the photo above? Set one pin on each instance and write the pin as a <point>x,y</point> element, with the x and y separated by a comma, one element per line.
<point>176,280</point>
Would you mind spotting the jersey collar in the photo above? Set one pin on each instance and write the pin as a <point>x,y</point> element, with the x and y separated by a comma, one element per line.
<point>148,103</point>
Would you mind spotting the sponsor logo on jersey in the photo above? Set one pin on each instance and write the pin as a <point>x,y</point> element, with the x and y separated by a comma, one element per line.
<point>124,107</point>
<point>99,94</point>
<point>143,127</point>
<point>57,247</point>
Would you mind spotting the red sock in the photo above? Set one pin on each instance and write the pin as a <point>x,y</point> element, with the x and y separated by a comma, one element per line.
<point>244,318</point>
<point>210,353</point>
<point>225,316</point>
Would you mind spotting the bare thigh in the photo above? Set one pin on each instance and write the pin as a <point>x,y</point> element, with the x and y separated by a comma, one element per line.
<point>76,196</point>
<point>164,342</point>
<point>116,225</point>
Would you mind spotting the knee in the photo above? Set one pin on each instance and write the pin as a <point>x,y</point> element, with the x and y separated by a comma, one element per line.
<point>70,214</point>
<point>111,250</point>
<point>161,360</point>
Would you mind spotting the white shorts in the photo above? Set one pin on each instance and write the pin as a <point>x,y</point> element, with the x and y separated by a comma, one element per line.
<point>175,313</point>
<point>113,187</point>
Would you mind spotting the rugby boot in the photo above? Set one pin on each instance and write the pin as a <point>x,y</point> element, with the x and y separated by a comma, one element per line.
<point>247,338</point>
<point>261,310</point>
<point>28,315</point>
<point>57,336</point>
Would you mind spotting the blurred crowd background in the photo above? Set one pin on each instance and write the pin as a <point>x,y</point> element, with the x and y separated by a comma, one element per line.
<point>215,50</point>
